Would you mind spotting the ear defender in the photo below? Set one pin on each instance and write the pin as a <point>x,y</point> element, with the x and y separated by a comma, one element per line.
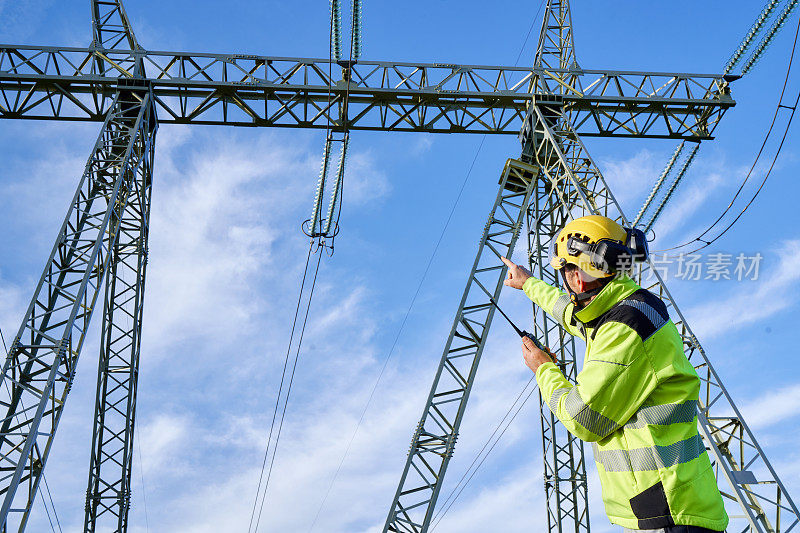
<point>637,243</point>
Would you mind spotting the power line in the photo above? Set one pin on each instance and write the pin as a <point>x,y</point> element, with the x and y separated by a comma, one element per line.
<point>291,381</point>
<point>280,388</point>
<point>400,330</point>
<point>755,29</point>
<point>478,455</point>
<point>141,477</point>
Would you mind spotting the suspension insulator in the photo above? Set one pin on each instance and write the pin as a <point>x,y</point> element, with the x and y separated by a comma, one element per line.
<point>755,29</point>
<point>770,36</point>
<point>315,224</point>
<point>336,30</point>
<point>356,29</point>
<point>659,183</point>
<point>337,188</point>
<point>672,187</point>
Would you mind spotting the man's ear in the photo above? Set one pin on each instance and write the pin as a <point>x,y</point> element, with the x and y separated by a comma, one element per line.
<point>579,282</point>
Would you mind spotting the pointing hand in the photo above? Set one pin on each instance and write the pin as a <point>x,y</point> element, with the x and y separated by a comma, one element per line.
<point>517,275</point>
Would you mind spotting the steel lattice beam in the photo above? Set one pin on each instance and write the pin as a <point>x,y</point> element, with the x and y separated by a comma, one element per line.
<point>108,492</point>
<point>246,90</point>
<point>41,363</point>
<point>110,26</point>
<point>565,482</point>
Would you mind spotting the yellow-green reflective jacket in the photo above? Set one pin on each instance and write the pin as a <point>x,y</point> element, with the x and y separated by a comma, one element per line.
<point>636,401</point>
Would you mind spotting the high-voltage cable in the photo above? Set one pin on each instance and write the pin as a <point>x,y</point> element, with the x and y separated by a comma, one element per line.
<point>288,390</point>
<point>456,491</point>
<point>659,184</point>
<point>737,55</point>
<point>399,332</point>
<point>763,181</point>
<point>261,480</point>
<point>141,478</point>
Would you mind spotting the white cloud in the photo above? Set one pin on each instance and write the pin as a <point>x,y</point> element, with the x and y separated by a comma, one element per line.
<point>13,302</point>
<point>685,203</point>
<point>751,301</point>
<point>363,181</point>
<point>162,440</point>
<point>215,222</point>
<point>422,144</point>
<point>773,407</point>
<point>631,178</point>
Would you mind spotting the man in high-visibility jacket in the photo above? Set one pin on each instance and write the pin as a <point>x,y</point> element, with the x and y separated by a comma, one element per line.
<point>636,398</point>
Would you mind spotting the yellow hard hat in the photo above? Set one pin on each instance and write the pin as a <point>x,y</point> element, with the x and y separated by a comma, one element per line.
<point>595,244</point>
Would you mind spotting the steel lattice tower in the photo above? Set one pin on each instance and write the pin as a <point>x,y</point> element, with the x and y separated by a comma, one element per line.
<point>102,245</point>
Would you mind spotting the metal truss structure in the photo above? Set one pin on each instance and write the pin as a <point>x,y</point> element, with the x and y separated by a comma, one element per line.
<point>102,244</point>
<point>246,90</point>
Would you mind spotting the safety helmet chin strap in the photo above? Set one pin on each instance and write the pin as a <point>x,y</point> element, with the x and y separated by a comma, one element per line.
<point>580,297</point>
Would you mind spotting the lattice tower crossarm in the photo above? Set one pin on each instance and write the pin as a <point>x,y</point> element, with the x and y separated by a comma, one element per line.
<point>435,437</point>
<point>244,90</point>
<point>747,477</point>
<point>41,363</point>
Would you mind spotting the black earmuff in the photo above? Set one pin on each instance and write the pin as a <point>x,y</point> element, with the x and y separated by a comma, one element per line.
<point>611,256</point>
<point>637,242</point>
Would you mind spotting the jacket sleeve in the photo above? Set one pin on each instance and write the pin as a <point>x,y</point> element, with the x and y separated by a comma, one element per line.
<point>553,301</point>
<point>612,386</point>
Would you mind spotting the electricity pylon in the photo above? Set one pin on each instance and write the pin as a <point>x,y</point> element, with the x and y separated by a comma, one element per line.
<point>561,182</point>
<point>103,240</point>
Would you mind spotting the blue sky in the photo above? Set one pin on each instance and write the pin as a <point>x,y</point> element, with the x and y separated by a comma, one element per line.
<point>226,257</point>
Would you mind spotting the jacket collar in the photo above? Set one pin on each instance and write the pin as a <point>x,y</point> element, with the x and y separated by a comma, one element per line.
<point>617,289</point>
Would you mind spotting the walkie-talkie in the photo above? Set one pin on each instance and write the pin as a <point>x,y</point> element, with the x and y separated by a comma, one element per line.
<point>520,332</point>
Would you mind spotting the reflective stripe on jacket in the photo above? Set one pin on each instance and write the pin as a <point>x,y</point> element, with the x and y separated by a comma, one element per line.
<point>636,401</point>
